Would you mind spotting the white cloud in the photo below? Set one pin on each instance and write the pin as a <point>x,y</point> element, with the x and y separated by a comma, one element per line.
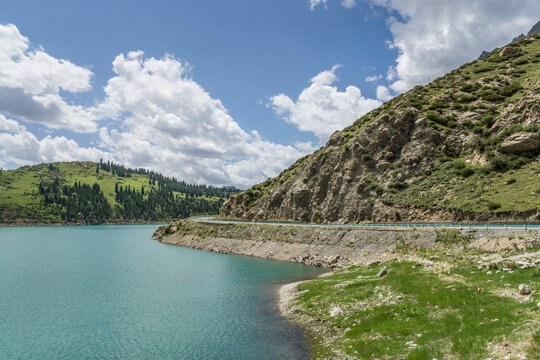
<point>314,3</point>
<point>169,123</point>
<point>348,3</point>
<point>8,125</point>
<point>373,78</point>
<point>436,36</point>
<point>31,81</point>
<point>19,146</point>
<point>383,93</point>
<point>321,108</point>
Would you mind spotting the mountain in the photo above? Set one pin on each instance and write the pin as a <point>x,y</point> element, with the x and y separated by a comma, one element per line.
<point>463,148</point>
<point>94,193</point>
<point>535,28</point>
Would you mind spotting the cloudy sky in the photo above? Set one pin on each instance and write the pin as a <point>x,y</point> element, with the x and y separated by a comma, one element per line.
<point>221,92</point>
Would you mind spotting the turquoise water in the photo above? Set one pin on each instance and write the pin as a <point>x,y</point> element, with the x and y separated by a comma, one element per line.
<point>110,292</point>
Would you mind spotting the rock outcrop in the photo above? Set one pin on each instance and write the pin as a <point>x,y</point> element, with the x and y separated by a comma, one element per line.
<point>410,159</point>
<point>521,143</point>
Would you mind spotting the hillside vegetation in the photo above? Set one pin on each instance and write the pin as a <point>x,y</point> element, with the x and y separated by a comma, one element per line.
<point>92,193</point>
<point>463,148</point>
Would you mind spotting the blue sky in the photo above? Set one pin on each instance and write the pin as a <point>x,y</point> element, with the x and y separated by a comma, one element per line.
<point>226,92</point>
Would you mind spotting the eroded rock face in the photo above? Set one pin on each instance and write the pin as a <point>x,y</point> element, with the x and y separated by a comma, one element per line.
<point>520,143</point>
<point>509,50</point>
<point>359,174</point>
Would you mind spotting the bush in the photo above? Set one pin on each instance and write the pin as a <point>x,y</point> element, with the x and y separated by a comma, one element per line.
<point>398,185</point>
<point>482,69</point>
<point>511,89</point>
<point>459,164</point>
<point>499,163</point>
<point>492,205</point>
<point>467,171</point>
<point>503,163</point>
<point>379,190</point>
<point>366,157</point>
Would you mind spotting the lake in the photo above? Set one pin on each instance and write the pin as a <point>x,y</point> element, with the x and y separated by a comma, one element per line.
<point>111,292</point>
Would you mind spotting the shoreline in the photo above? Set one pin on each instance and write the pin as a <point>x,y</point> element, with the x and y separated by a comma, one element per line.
<point>44,224</point>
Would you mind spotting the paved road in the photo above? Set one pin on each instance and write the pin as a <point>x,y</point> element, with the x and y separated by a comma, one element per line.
<point>212,219</point>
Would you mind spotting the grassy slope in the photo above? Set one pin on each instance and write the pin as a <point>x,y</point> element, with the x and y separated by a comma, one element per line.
<point>455,313</point>
<point>466,102</point>
<point>20,198</point>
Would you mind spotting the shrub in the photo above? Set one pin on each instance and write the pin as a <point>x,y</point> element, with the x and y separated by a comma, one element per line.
<point>366,157</point>
<point>492,205</point>
<point>379,190</point>
<point>482,69</point>
<point>459,164</point>
<point>466,172</point>
<point>398,185</point>
<point>511,89</point>
<point>499,163</point>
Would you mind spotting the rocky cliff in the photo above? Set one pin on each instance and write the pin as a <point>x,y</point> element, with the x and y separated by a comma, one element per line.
<point>465,147</point>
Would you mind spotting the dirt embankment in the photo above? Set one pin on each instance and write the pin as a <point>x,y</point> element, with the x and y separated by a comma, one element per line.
<point>328,247</point>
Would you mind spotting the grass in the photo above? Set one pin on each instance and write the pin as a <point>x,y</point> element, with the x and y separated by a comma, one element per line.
<point>514,190</point>
<point>415,313</point>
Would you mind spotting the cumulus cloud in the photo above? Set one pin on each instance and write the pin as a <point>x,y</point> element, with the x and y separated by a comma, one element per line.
<point>20,146</point>
<point>169,123</point>
<point>436,36</point>
<point>348,3</point>
<point>383,93</point>
<point>373,78</point>
<point>321,108</point>
<point>31,81</point>
<point>313,3</point>
<point>165,121</point>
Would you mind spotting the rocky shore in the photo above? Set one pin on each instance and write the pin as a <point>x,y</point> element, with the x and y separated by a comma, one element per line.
<point>331,247</point>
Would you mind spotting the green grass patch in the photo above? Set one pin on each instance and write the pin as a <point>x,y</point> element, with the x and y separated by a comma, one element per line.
<point>413,313</point>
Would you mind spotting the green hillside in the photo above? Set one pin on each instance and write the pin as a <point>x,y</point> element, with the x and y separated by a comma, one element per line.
<point>50,193</point>
<point>464,147</point>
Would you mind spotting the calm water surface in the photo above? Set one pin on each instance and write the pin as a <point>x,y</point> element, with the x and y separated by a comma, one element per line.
<point>110,292</point>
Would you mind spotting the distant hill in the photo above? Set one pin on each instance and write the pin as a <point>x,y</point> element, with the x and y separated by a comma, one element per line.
<point>463,148</point>
<point>95,193</point>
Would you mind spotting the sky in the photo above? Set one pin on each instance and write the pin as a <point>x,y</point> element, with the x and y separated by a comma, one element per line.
<point>221,92</point>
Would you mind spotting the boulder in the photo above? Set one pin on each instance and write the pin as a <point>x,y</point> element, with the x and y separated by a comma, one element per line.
<point>382,273</point>
<point>508,50</point>
<point>521,142</point>
<point>335,311</point>
<point>524,289</point>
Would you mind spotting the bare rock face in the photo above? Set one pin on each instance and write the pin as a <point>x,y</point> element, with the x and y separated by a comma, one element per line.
<point>520,143</point>
<point>376,169</point>
<point>508,50</point>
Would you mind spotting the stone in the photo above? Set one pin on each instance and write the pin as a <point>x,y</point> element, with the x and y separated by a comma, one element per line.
<point>520,143</point>
<point>524,289</point>
<point>433,257</point>
<point>382,273</point>
<point>335,311</point>
<point>418,264</point>
<point>508,50</point>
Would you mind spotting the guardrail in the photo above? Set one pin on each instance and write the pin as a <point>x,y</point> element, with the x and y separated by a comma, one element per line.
<point>376,225</point>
